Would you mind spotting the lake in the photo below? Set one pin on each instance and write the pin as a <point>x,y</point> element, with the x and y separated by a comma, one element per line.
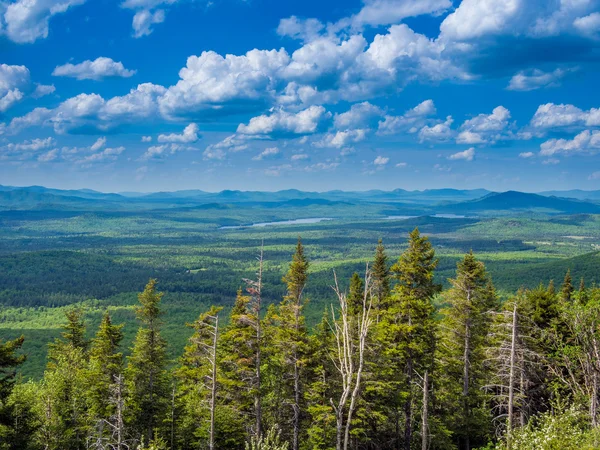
<point>281,222</point>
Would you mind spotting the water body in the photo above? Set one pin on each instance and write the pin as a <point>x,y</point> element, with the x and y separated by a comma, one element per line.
<point>281,222</point>
<point>439,216</point>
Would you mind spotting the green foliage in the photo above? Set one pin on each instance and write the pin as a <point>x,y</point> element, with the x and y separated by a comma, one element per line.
<point>270,441</point>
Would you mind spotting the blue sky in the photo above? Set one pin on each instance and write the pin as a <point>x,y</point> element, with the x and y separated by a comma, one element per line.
<point>148,95</point>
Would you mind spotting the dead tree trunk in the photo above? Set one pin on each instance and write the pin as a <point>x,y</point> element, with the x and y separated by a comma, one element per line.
<point>213,387</point>
<point>511,378</point>
<point>425,413</point>
<point>349,360</point>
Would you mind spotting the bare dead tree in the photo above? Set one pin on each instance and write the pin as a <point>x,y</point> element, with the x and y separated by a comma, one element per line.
<point>425,413</point>
<point>254,288</point>
<point>350,337</point>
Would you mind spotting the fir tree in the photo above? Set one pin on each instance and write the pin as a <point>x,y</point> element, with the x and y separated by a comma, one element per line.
<point>147,380</point>
<point>381,275</point>
<point>407,329</point>
<point>9,361</point>
<point>567,289</point>
<point>105,364</point>
<point>464,328</point>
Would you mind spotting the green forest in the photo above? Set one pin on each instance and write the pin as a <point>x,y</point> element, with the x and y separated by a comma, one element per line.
<point>398,358</point>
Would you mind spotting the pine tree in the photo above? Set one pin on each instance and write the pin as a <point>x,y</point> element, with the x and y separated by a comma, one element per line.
<point>237,381</point>
<point>105,365</point>
<point>406,331</point>
<point>290,346</point>
<point>198,382</point>
<point>464,328</point>
<point>9,361</point>
<point>147,379</point>
<point>381,276</point>
<point>63,388</point>
<point>567,288</point>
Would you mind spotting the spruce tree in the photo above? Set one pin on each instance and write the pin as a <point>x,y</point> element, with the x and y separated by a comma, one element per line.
<point>462,370</point>
<point>9,361</point>
<point>381,276</point>
<point>407,331</point>
<point>105,365</point>
<point>290,346</point>
<point>147,379</point>
<point>567,289</point>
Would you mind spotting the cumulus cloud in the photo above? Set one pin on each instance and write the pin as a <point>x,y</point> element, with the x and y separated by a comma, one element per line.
<point>585,142</point>
<point>212,84</point>
<point>484,128</point>
<point>588,25</point>
<point>360,115</point>
<point>97,69</point>
<point>282,122</point>
<point>31,145</point>
<point>466,155</point>
<point>190,134</point>
<point>526,155</point>
<point>303,29</point>
<point>42,90</point>
<point>594,176</point>
<point>299,157</point>
<point>146,138</point>
<point>266,153</point>
<point>410,121</point>
<point>341,139</point>
<point>13,81</point>
<point>381,161</point>
<point>552,115</point>
<point>161,151</point>
<point>439,132</point>
<point>48,156</point>
<point>92,111</point>
<point>385,12</point>
<point>143,21</point>
<point>28,20</point>
<point>529,80</point>
<point>108,154</point>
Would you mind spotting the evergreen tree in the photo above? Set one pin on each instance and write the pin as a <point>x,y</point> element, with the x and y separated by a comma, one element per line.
<point>407,332</point>
<point>105,365</point>
<point>289,348</point>
<point>237,381</point>
<point>9,361</point>
<point>567,288</point>
<point>462,370</point>
<point>197,382</point>
<point>147,379</point>
<point>381,276</point>
<point>63,389</point>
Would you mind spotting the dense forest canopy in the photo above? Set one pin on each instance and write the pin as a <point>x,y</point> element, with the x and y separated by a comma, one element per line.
<point>398,360</point>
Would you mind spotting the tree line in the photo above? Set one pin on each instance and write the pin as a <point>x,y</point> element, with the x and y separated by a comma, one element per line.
<point>384,369</point>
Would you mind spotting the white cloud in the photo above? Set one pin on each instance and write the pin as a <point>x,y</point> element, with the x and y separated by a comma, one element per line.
<point>143,21</point>
<point>484,128</point>
<point>93,111</point>
<point>466,155</point>
<point>97,69</point>
<point>381,161</point>
<point>303,29</point>
<point>100,142</point>
<point>28,20</point>
<point>341,139</point>
<point>322,166</point>
<point>360,115</point>
<point>550,161</point>
<point>438,132</point>
<point>529,80</point>
<point>385,12</point>
<point>48,156</point>
<point>585,142</point>
<point>551,115</point>
<point>588,25</point>
<point>108,154</point>
<point>13,81</point>
<point>594,176</point>
<point>410,121</point>
<point>306,121</point>
<point>190,134</point>
<point>401,165</point>
<point>526,155</point>
<point>299,157</point>
<point>268,152</point>
<point>216,85</point>
<point>32,145</point>
<point>42,90</point>
<point>146,138</point>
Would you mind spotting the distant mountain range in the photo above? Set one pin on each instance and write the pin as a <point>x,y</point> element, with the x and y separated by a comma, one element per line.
<point>430,201</point>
